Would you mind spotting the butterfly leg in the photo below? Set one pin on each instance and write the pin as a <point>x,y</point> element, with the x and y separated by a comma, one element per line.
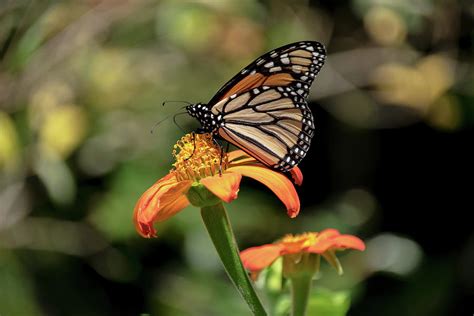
<point>220,156</point>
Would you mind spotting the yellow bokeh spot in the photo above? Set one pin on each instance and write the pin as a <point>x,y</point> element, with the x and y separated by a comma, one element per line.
<point>111,78</point>
<point>398,84</point>
<point>385,26</point>
<point>438,72</point>
<point>46,98</point>
<point>445,113</point>
<point>417,87</point>
<point>9,145</point>
<point>63,129</point>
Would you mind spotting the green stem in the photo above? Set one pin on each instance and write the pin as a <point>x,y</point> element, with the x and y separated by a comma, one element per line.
<point>300,288</point>
<point>219,229</point>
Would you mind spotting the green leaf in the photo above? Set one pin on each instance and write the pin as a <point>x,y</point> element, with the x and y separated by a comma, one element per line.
<point>17,295</point>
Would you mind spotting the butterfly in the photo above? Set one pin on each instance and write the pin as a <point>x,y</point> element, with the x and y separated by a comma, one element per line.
<point>263,109</point>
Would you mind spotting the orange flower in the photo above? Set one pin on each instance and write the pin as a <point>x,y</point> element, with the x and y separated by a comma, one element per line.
<point>325,243</point>
<point>200,162</point>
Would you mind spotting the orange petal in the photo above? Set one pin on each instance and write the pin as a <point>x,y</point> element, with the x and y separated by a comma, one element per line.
<point>349,241</point>
<point>328,233</point>
<point>320,246</point>
<point>173,207</point>
<point>297,175</point>
<point>225,186</point>
<point>256,259</point>
<point>236,154</point>
<point>337,243</point>
<point>278,183</point>
<point>240,157</point>
<point>159,202</point>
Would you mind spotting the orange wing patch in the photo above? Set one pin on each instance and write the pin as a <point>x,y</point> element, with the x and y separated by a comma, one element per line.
<point>257,80</point>
<point>282,79</point>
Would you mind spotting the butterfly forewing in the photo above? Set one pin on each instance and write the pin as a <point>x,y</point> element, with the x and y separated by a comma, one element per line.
<point>294,65</point>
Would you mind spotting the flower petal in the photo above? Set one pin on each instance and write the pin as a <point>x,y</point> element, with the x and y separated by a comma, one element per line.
<point>339,242</point>
<point>236,154</point>
<point>258,258</point>
<point>330,257</point>
<point>328,233</point>
<point>159,202</point>
<point>348,241</point>
<point>278,183</point>
<point>225,186</point>
<point>172,208</point>
<point>297,175</point>
<point>240,158</point>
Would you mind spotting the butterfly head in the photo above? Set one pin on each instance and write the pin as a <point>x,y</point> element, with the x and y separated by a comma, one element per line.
<point>209,121</point>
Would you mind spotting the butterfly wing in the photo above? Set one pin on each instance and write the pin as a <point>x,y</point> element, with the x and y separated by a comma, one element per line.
<point>272,124</point>
<point>294,65</point>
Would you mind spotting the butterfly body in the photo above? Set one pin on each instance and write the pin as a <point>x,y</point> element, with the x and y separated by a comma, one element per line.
<point>263,109</point>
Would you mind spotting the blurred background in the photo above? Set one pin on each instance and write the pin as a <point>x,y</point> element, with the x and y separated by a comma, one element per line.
<point>81,86</point>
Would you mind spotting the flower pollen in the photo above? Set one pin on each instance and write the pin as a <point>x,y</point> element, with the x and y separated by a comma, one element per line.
<point>295,243</point>
<point>198,156</point>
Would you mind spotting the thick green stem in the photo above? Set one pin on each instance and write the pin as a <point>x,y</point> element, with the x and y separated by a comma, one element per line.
<point>300,288</point>
<point>219,229</point>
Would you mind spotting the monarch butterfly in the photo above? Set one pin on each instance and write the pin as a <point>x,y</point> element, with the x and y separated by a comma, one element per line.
<point>263,109</point>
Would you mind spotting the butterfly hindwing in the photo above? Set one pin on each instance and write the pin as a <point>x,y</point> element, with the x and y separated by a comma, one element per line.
<point>272,124</point>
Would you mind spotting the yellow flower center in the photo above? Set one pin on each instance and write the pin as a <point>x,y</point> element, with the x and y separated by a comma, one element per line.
<point>296,243</point>
<point>198,156</point>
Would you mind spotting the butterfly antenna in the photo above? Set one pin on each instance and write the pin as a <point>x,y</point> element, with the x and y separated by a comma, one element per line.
<point>159,122</point>
<point>167,117</point>
<point>176,122</point>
